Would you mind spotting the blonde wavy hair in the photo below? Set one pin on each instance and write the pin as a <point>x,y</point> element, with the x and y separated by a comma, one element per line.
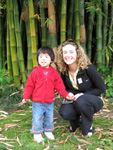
<point>82,59</point>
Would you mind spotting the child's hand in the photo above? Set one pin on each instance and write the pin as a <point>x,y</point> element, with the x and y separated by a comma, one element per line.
<point>24,101</point>
<point>70,96</point>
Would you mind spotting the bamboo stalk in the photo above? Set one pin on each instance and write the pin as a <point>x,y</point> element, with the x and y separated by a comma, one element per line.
<point>33,32</point>
<point>98,38</point>
<point>63,21</point>
<point>70,20</point>
<point>1,42</point>
<point>89,31</point>
<point>9,63</point>
<point>52,25</point>
<point>77,21</point>
<point>24,16</point>
<point>43,27</point>
<point>104,29</point>
<point>110,33</point>
<point>29,55</point>
<point>13,44</point>
<point>36,9</point>
<point>19,44</point>
<point>82,25</point>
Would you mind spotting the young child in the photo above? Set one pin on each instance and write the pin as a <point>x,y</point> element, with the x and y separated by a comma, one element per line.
<point>41,84</point>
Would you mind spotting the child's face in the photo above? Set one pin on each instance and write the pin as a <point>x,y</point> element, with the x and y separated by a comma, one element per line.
<point>44,60</point>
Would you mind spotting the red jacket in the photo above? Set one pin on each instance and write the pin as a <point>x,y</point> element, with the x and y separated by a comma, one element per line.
<point>42,83</point>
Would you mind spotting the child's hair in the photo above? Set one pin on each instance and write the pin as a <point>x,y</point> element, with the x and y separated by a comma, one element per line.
<point>46,50</point>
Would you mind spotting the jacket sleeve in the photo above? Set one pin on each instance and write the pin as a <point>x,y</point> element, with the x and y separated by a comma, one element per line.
<point>29,85</point>
<point>59,85</point>
<point>97,81</point>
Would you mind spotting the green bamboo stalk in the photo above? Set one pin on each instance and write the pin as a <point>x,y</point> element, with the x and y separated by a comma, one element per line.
<point>104,29</point>
<point>70,20</point>
<point>28,36</point>
<point>63,20</point>
<point>9,62</point>
<point>33,32</point>
<point>36,9</point>
<point>77,21</point>
<point>1,42</point>
<point>98,38</point>
<point>29,54</point>
<point>110,34</point>
<point>89,32</point>
<point>13,44</point>
<point>110,24</point>
<point>19,43</point>
<point>43,27</point>
<point>82,25</point>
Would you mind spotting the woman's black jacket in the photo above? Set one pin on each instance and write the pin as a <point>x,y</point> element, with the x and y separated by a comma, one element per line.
<point>89,81</point>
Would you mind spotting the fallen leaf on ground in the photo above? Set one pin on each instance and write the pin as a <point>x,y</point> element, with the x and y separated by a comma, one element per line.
<point>100,135</point>
<point>19,141</point>
<point>108,148</point>
<point>65,141</point>
<point>4,112</point>
<point>10,125</point>
<point>82,140</point>
<point>98,129</point>
<point>9,145</point>
<point>106,110</point>
<point>16,120</point>
<point>21,114</point>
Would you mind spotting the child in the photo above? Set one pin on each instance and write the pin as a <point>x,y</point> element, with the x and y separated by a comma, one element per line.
<point>41,84</point>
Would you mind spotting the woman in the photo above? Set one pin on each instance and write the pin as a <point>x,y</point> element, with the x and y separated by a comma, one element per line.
<point>82,79</point>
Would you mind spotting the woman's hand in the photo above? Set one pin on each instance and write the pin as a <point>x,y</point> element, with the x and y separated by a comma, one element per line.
<point>77,95</point>
<point>70,96</point>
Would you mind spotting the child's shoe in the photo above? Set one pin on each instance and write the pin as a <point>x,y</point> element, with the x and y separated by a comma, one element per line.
<point>38,138</point>
<point>49,135</point>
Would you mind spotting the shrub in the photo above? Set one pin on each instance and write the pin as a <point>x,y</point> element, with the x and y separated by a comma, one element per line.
<point>107,77</point>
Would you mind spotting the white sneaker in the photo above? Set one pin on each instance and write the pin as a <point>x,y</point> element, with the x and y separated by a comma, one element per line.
<point>38,138</point>
<point>49,135</point>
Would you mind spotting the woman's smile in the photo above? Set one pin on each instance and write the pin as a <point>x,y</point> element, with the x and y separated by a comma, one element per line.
<point>69,54</point>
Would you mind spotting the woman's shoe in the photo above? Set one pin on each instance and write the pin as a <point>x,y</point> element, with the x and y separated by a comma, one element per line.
<point>90,133</point>
<point>71,129</point>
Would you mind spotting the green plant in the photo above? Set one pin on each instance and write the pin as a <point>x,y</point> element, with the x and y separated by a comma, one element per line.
<point>10,97</point>
<point>106,75</point>
<point>4,79</point>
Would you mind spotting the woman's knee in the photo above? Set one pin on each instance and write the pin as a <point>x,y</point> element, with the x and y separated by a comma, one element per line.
<point>67,112</point>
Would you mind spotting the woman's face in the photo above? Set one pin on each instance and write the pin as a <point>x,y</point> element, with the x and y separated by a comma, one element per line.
<point>69,54</point>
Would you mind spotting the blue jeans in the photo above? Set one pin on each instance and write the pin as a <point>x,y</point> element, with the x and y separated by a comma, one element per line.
<point>40,111</point>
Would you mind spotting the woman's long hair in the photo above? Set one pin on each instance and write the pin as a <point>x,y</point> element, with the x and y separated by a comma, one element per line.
<point>82,59</point>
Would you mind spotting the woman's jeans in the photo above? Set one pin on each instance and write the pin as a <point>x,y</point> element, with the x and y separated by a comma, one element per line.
<point>85,107</point>
<point>40,112</point>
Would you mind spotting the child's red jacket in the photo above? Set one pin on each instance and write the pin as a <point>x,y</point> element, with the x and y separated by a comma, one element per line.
<point>42,83</point>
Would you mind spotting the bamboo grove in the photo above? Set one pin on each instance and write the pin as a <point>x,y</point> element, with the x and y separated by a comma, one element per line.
<point>26,25</point>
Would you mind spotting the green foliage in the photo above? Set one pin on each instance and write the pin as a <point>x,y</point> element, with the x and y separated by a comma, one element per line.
<point>106,142</point>
<point>110,2</point>
<point>94,6</point>
<point>4,79</point>
<point>49,20</point>
<point>2,6</point>
<point>106,75</point>
<point>10,97</point>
